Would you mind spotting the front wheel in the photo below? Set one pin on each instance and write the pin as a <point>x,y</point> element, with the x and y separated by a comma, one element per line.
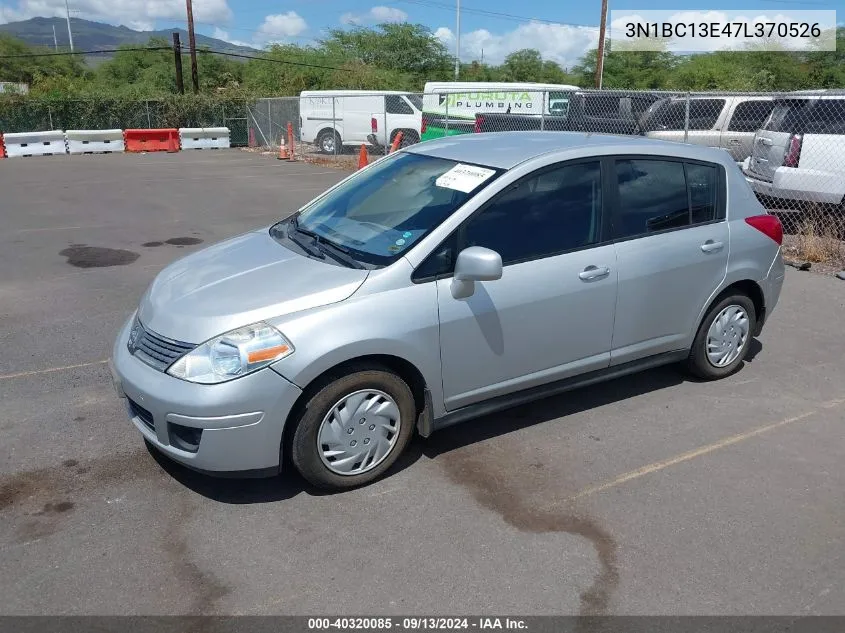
<point>328,142</point>
<point>353,429</point>
<point>723,338</point>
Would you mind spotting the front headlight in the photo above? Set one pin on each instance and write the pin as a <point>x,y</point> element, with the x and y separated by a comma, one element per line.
<point>232,355</point>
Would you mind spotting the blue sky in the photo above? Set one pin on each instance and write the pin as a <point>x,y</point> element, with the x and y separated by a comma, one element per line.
<point>560,30</point>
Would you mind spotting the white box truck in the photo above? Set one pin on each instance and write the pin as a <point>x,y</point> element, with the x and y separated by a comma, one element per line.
<point>449,107</point>
<point>332,119</point>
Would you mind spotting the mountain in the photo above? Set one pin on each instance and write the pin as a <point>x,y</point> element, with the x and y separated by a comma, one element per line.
<point>93,36</point>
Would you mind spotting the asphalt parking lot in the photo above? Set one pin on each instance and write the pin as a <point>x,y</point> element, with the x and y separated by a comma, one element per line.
<point>652,494</point>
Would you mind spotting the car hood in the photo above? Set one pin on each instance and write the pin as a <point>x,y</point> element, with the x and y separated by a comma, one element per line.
<point>240,281</point>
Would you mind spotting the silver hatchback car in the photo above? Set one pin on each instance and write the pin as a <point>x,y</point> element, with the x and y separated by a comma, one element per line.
<point>448,280</point>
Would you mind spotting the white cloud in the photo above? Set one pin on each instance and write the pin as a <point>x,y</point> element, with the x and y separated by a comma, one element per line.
<point>558,42</point>
<point>220,34</point>
<point>445,35</point>
<point>388,14</point>
<point>280,26</point>
<point>132,13</point>
<point>376,15</point>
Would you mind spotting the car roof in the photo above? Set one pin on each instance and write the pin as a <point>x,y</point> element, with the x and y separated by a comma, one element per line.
<point>506,150</point>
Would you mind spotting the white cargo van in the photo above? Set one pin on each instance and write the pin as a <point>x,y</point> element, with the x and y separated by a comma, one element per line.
<point>449,107</point>
<point>331,119</point>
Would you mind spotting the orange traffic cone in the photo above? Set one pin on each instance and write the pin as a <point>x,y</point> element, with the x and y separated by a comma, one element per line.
<point>363,157</point>
<point>397,141</point>
<point>283,150</point>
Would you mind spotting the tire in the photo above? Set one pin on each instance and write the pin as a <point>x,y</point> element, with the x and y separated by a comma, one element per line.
<point>409,137</point>
<point>728,309</point>
<point>319,429</point>
<point>328,141</point>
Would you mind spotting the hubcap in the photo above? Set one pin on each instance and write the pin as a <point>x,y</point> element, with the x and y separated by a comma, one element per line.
<point>727,336</point>
<point>358,432</point>
<point>328,144</point>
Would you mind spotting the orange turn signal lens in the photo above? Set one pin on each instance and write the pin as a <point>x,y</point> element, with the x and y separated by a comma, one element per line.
<point>267,354</point>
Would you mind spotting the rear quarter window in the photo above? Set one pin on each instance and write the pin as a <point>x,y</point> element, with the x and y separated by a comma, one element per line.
<point>808,116</point>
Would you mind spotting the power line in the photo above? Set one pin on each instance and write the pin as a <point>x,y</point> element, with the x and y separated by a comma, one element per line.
<point>276,61</point>
<point>493,14</point>
<point>105,50</point>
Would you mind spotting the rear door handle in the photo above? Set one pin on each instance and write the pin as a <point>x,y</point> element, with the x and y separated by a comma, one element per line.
<point>711,247</point>
<point>594,272</point>
<point>765,141</point>
<point>733,141</point>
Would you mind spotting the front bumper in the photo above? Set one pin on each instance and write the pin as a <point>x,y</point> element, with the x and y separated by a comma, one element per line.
<point>241,421</point>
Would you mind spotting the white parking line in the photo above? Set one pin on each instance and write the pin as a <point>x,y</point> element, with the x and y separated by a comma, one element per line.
<point>698,452</point>
<point>50,370</point>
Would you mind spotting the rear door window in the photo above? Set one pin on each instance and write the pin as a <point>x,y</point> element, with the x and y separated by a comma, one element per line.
<point>749,116</point>
<point>658,195</point>
<point>703,113</point>
<point>602,106</point>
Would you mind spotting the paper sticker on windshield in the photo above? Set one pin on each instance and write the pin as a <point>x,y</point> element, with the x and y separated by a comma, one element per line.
<point>464,177</point>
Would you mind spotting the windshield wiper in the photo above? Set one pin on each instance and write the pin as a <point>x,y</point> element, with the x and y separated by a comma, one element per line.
<point>311,250</point>
<point>340,253</point>
<point>324,247</point>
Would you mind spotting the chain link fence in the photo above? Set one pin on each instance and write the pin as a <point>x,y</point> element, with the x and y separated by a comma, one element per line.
<point>39,115</point>
<point>790,146</point>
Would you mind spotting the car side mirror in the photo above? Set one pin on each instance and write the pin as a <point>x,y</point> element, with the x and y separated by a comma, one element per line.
<point>475,263</point>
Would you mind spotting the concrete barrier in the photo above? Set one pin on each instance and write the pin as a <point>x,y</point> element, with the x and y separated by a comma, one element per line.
<point>204,137</point>
<point>94,141</point>
<point>35,144</point>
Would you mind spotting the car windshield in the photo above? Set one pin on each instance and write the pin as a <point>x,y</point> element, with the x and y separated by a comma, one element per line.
<point>380,213</point>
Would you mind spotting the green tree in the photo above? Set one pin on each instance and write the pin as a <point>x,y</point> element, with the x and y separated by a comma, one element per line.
<point>631,70</point>
<point>406,48</point>
<point>34,70</point>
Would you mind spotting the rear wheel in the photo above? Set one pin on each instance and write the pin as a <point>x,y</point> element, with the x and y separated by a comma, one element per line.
<point>723,338</point>
<point>409,137</point>
<point>353,429</point>
<point>328,142</point>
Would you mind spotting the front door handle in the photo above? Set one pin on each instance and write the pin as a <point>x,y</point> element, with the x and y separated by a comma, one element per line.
<point>594,272</point>
<point>712,247</point>
<point>733,141</point>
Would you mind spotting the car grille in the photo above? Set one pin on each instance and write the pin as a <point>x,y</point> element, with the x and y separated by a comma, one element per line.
<point>157,351</point>
<point>142,414</point>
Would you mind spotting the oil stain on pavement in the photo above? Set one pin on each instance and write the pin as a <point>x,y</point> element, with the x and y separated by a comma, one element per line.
<point>83,256</point>
<point>507,492</point>
<point>42,499</point>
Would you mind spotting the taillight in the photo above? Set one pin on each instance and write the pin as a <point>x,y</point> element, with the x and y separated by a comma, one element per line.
<point>793,153</point>
<point>769,225</point>
<point>374,125</point>
<point>423,125</point>
<point>479,120</point>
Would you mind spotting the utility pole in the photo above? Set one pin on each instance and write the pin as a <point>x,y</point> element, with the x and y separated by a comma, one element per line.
<point>192,42</point>
<point>55,41</point>
<point>177,52</point>
<point>458,39</point>
<point>69,34</point>
<point>600,52</point>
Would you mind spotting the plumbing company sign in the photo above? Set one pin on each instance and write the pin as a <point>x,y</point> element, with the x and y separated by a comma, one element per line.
<point>472,102</point>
